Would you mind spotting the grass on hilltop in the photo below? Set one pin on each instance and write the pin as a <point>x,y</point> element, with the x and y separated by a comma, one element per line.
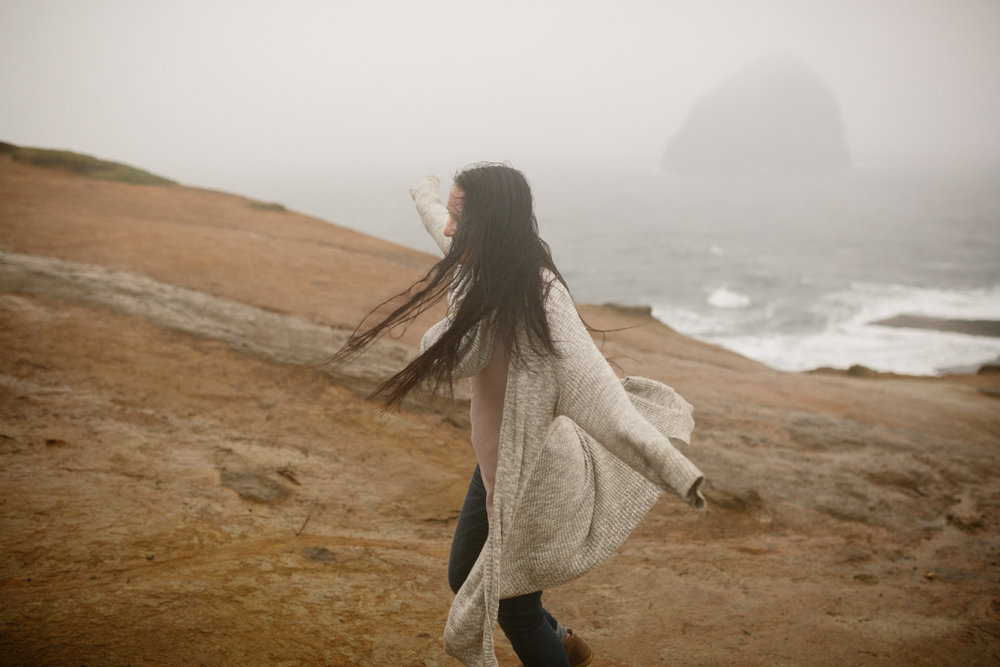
<point>104,170</point>
<point>266,205</point>
<point>85,165</point>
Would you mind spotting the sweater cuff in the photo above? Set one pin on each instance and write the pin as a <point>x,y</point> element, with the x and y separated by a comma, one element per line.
<point>684,478</point>
<point>430,184</point>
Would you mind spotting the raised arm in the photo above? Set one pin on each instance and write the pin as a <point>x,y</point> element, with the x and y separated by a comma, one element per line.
<point>593,397</point>
<point>432,212</point>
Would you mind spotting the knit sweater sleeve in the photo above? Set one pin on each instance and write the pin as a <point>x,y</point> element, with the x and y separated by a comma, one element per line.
<point>593,397</point>
<point>477,348</point>
<point>432,212</point>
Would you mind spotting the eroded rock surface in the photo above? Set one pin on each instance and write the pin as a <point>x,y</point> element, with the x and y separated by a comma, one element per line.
<point>851,520</point>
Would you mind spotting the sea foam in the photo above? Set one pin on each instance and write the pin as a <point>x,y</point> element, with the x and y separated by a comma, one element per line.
<point>723,297</point>
<point>847,334</point>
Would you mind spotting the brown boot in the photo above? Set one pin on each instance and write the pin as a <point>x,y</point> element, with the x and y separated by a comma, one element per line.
<point>577,650</point>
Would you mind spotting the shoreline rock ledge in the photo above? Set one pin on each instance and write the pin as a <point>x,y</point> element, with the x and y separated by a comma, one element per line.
<point>776,116</point>
<point>990,328</point>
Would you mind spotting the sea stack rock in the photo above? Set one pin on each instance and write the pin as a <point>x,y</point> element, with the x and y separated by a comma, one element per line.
<point>777,116</point>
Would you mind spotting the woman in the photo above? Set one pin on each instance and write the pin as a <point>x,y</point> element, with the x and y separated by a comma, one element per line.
<point>570,457</point>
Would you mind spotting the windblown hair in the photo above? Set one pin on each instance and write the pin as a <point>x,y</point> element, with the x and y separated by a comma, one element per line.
<point>496,268</point>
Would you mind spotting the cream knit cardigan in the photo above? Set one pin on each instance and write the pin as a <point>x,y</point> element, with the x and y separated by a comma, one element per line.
<point>583,456</point>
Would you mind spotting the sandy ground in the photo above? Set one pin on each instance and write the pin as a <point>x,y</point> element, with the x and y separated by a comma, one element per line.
<point>180,485</point>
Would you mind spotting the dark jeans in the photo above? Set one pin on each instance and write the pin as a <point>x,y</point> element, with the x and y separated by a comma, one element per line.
<point>530,629</point>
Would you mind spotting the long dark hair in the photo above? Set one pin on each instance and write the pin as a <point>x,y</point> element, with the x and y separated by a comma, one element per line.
<point>496,263</point>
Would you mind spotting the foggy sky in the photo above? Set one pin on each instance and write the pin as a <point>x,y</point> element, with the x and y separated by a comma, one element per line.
<point>220,93</point>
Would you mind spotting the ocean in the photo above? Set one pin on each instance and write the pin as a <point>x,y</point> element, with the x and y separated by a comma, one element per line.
<point>792,272</point>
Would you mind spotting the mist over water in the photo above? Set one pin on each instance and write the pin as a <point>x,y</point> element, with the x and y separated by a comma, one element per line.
<point>788,271</point>
<point>794,272</point>
<point>335,109</point>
